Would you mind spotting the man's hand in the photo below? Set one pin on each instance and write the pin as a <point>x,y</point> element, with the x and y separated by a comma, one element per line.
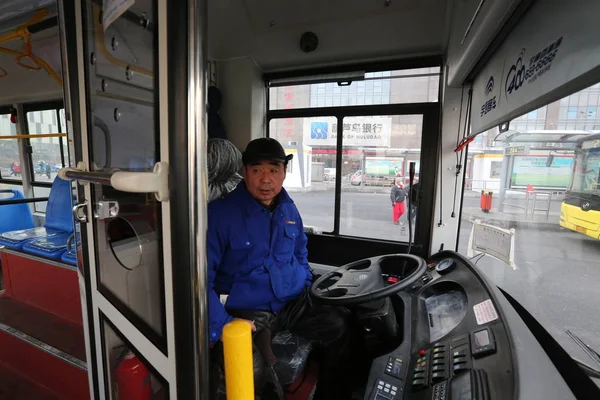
<point>251,323</point>
<point>393,203</point>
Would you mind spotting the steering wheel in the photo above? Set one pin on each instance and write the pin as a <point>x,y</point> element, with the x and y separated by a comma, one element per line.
<point>361,281</point>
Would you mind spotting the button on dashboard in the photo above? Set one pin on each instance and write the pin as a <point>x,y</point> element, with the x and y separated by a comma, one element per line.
<point>461,367</point>
<point>418,383</point>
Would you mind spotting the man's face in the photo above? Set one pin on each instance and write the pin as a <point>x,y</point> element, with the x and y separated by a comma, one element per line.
<point>264,180</point>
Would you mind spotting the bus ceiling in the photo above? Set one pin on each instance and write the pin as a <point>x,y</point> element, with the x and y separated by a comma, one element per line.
<point>354,32</point>
<point>17,12</point>
<point>30,64</point>
<point>348,31</point>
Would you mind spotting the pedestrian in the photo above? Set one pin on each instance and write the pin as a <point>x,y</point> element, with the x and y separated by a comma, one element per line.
<point>398,196</point>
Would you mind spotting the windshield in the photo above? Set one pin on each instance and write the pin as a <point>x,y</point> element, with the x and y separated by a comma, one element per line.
<point>586,178</point>
<point>552,267</point>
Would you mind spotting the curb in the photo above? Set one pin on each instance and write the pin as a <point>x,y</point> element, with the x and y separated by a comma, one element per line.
<point>384,190</point>
<point>345,189</point>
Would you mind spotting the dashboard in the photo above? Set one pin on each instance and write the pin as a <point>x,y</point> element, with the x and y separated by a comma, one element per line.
<point>462,341</point>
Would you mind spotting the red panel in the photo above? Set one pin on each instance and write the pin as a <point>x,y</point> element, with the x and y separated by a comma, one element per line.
<point>44,369</point>
<point>41,325</point>
<point>15,386</point>
<point>5,273</point>
<point>49,287</point>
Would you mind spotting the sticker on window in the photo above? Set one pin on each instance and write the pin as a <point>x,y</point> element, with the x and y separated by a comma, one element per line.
<point>485,312</point>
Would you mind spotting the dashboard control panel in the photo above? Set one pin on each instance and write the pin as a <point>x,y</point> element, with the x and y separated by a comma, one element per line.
<point>441,362</point>
<point>386,391</point>
<point>458,346</point>
<point>439,391</point>
<point>395,367</point>
<point>482,342</point>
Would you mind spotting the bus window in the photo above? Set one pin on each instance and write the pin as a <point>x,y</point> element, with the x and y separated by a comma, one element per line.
<point>417,85</point>
<point>10,163</point>
<point>48,153</point>
<point>547,191</point>
<point>309,172</point>
<point>378,144</point>
<point>586,176</point>
<point>396,143</point>
<point>40,191</point>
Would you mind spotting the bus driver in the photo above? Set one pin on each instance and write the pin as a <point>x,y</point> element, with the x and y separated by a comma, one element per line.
<point>257,255</point>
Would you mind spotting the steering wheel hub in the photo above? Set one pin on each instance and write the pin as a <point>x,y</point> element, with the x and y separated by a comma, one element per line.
<point>362,281</point>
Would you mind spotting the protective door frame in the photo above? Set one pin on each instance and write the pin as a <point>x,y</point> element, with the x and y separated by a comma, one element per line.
<point>184,362</point>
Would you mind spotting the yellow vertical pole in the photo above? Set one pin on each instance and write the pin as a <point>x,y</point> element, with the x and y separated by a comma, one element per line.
<point>237,353</point>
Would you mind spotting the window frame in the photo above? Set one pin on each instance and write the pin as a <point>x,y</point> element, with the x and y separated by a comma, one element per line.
<point>55,106</point>
<point>430,142</point>
<point>5,181</point>
<point>27,162</point>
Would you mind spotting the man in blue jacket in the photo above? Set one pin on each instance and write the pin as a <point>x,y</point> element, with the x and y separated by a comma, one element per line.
<point>257,255</point>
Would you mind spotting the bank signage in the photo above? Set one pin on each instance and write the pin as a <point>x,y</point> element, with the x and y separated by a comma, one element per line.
<point>357,131</point>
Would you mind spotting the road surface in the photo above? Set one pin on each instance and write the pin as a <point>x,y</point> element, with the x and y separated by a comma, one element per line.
<point>557,272</point>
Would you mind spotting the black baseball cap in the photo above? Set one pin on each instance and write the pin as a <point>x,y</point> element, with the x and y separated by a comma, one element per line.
<point>265,149</point>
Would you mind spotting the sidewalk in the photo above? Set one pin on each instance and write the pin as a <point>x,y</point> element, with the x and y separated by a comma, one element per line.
<point>513,220</point>
<point>347,188</point>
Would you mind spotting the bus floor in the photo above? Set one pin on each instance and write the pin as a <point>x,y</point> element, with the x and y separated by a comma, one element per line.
<point>14,386</point>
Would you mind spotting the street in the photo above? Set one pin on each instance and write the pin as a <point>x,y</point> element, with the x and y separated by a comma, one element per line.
<point>556,276</point>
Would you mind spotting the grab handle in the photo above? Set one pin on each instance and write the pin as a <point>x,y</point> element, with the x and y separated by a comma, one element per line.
<point>156,182</point>
<point>32,65</point>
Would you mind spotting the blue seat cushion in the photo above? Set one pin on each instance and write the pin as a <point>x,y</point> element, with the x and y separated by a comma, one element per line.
<point>53,246</point>
<point>59,218</point>
<point>17,239</point>
<point>70,256</point>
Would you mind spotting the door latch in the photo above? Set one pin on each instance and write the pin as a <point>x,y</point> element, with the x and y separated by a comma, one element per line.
<point>80,212</point>
<point>106,209</point>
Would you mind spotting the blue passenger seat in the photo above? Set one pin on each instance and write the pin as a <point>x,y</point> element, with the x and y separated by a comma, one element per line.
<point>58,226</point>
<point>14,217</point>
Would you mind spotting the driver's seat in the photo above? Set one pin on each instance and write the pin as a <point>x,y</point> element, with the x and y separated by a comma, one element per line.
<point>291,353</point>
<point>291,359</point>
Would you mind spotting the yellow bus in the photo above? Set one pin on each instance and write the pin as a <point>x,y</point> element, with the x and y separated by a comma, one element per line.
<point>580,210</point>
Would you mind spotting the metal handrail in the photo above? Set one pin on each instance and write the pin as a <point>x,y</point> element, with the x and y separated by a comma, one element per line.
<point>156,182</point>
<point>97,177</point>
<point>546,209</point>
<point>532,198</point>
<point>21,201</point>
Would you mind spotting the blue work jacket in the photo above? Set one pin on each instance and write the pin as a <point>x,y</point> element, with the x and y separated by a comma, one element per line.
<point>256,256</point>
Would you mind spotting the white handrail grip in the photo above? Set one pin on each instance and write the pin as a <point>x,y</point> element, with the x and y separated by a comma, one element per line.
<point>156,182</point>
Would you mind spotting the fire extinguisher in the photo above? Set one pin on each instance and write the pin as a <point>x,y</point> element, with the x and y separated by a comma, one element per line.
<point>133,379</point>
